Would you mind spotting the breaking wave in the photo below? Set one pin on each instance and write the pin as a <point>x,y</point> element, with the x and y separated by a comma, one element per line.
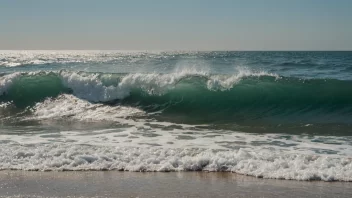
<point>246,95</point>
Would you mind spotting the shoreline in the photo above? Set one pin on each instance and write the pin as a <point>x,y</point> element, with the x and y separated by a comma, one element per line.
<point>16,183</point>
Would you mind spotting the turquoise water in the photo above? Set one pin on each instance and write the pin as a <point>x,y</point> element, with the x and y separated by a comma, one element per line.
<point>210,106</point>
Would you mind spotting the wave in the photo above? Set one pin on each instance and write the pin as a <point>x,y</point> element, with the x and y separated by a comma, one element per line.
<point>102,87</point>
<point>191,94</point>
<point>299,63</point>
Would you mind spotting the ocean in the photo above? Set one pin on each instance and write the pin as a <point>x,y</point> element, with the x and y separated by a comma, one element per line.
<point>280,115</point>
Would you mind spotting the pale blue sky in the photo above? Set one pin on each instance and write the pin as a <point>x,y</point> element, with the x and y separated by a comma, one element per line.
<point>176,24</point>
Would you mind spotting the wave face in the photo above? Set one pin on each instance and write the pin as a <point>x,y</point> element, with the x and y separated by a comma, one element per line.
<point>194,96</point>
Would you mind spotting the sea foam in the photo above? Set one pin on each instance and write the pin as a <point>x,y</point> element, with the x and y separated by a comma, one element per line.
<point>68,106</point>
<point>258,163</point>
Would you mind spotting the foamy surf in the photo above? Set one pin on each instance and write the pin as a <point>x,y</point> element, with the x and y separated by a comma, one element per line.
<point>258,163</point>
<point>147,145</point>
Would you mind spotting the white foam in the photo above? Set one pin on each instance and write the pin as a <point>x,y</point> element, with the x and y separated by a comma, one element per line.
<point>90,87</point>
<point>68,106</point>
<point>4,104</point>
<point>221,82</point>
<point>259,163</point>
<point>7,80</point>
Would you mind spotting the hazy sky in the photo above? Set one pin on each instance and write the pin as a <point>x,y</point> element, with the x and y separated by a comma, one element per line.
<point>176,24</point>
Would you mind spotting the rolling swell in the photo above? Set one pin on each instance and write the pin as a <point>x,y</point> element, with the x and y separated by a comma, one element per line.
<point>193,96</point>
<point>25,90</point>
<point>253,99</point>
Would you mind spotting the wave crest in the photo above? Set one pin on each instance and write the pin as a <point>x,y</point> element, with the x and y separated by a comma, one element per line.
<point>100,87</point>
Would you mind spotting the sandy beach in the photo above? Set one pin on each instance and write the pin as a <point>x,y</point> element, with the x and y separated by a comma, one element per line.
<point>174,184</point>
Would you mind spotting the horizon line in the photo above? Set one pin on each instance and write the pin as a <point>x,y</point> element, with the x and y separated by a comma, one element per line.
<point>189,50</point>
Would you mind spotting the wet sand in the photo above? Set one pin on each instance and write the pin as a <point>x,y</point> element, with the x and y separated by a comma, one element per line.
<point>174,184</point>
